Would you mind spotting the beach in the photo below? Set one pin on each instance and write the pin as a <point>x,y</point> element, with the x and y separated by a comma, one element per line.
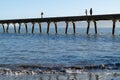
<point>80,76</point>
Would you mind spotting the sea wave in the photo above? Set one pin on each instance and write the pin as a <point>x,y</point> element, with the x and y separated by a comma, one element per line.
<point>38,69</point>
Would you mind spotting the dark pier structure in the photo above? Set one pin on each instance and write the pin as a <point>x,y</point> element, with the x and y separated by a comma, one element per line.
<point>55,20</point>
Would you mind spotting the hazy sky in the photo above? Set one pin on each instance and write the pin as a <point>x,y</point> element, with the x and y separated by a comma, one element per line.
<point>33,8</point>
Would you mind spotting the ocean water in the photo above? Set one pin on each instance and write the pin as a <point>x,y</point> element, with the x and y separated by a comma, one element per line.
<point>62,53</point>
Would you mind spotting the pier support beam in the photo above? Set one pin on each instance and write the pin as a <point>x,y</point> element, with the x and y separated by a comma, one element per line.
<point>14,27</point>
<point>113,30</point>
<point>48,27</point>
<point>56,27</point>
<point>66,30</point>
<point>33,26</point>
<point>19,28</point>
<point>74,27</point>
<point>88,27</point>
<point>40,28</point>
<point>3,27</point>
<point>26,27</point>
<point>95,25</point>
<point>7,27</point>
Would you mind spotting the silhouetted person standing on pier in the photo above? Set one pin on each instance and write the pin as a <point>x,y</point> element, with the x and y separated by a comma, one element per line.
<point>86,12</point>
<point>42,14</point>
<point>91,11</point>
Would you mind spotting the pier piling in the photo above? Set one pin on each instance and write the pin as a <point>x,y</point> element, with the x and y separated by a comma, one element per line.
<point>40,28</point>
<point>19,28</point>
<point>48,27</point>
<point>33,26</point>
<point>113,30</point>
<point>74,27</point>
<point>66,30</point>
<point>3,27</point>
<point>88,27</point>
<point>95,25</point>
<point>56,27</point>
<point>26,27</point>
<point>14,27</point>
<point>7,27</point>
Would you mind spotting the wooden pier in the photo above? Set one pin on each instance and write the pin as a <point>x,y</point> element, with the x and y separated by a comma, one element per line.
<point>55,20</point>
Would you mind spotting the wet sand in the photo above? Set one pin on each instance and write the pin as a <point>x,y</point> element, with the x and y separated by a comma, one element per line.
<point>56,73</point>
<point>74,76</point>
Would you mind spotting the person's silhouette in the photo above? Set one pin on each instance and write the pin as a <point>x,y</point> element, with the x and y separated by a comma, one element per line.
<point>42,14</point>
<point>91,11</point>
<point>86,12</point>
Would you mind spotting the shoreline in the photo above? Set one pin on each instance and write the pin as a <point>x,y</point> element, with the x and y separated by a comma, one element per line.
<point>33,69</point>
<point>80,76</point>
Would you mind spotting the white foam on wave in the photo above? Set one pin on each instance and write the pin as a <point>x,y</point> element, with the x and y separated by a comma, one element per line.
<point>73,71</point>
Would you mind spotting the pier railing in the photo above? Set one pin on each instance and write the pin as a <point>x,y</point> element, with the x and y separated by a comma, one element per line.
<point>55,20</point>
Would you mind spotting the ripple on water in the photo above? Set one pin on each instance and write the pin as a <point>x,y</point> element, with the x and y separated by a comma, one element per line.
<point>59,49</point>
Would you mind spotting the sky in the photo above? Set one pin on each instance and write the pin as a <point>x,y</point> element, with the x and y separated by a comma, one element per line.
<point>14,9</point>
